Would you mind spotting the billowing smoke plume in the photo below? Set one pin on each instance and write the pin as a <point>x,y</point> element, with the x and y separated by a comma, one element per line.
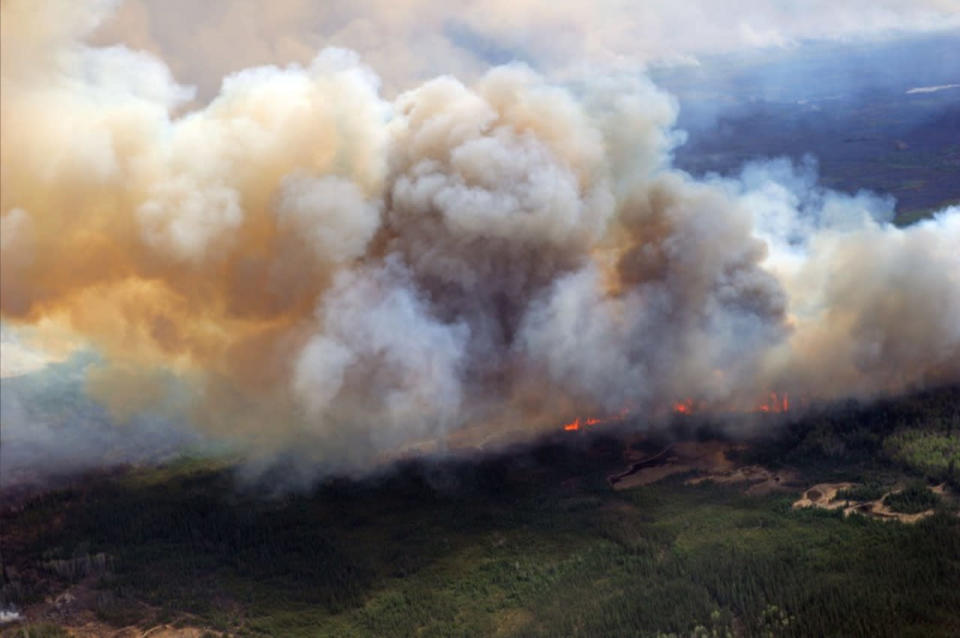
<point>304,268</point>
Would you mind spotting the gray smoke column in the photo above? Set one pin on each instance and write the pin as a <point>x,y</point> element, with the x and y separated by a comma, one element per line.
<point>306,269</point>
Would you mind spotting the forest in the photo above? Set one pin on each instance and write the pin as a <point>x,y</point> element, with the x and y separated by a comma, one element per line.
<point>532,541</point>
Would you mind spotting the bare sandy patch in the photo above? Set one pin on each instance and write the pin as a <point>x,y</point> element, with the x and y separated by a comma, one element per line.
<point>823,496</point>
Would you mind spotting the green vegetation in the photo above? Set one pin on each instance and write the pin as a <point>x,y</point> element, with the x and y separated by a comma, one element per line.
<point>871,442</point>
<point>400,559</point>
<point>933,452</point>
<point>866,492</point>
<point>532,543</point>
<point>913,499</point>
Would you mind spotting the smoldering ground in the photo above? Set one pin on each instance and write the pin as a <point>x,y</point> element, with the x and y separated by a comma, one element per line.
<point>303,268</point>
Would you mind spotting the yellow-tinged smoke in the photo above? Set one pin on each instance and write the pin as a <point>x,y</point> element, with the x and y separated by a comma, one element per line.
<point>325,272</point>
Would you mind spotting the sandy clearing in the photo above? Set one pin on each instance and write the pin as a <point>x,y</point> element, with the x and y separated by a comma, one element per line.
<point>822,496</point>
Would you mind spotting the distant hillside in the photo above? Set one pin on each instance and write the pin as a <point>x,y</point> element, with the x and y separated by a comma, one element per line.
<point>847,105</point>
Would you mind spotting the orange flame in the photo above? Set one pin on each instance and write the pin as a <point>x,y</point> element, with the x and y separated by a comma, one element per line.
<point>588,421</point>
<point>777,403</point>
<point>683,407</point>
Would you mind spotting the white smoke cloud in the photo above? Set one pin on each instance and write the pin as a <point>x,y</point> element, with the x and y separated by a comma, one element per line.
<point>331,213</point>
<point>380,373</point>
<point>336,277</point>
<point>184,217</point>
